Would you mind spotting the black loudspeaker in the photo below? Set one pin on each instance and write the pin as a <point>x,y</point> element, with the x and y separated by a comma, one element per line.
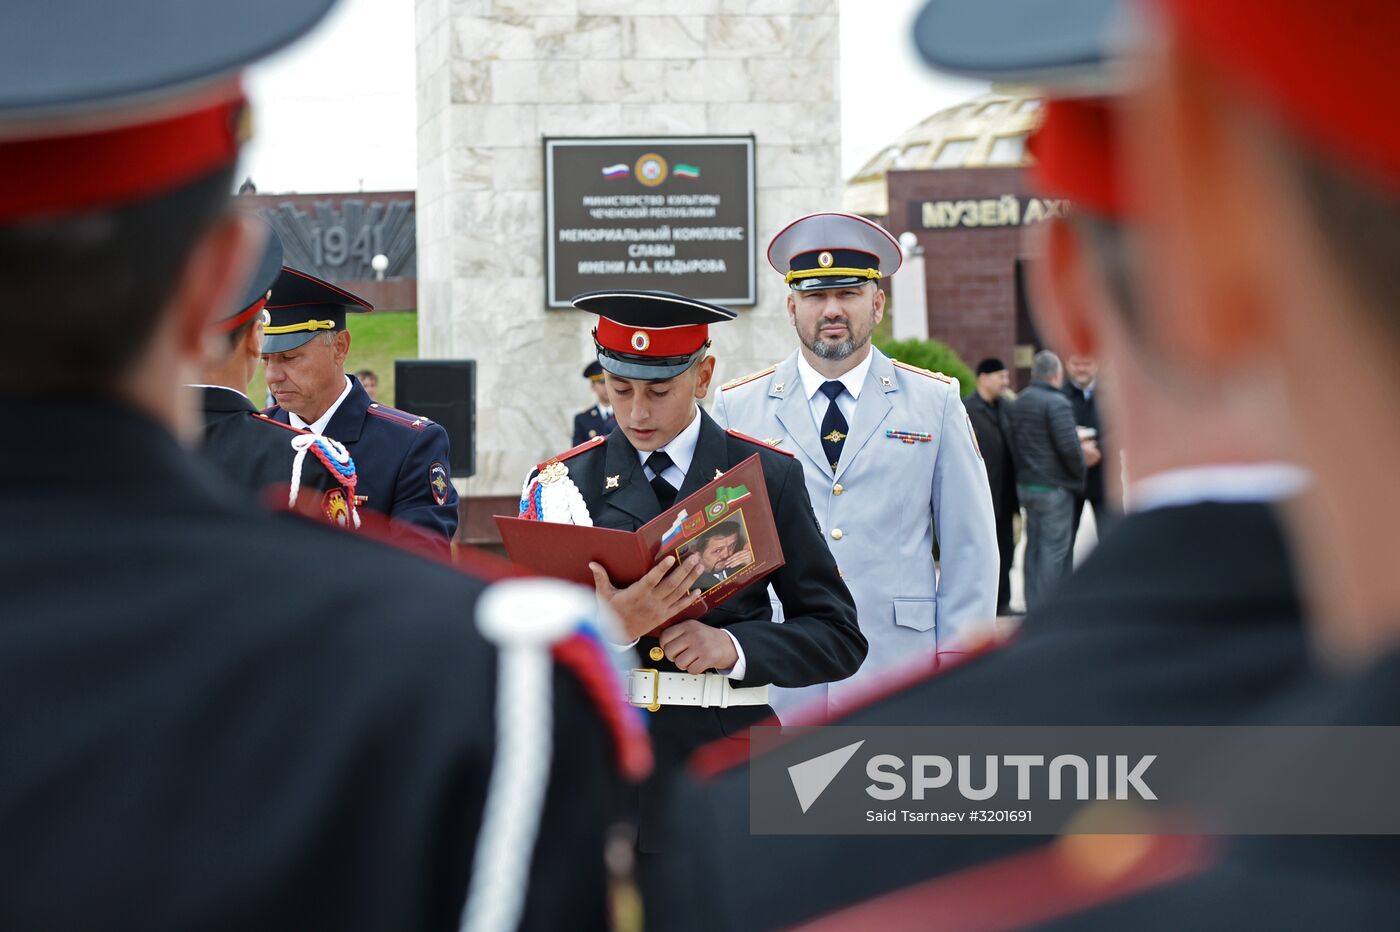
<point>444,390</point>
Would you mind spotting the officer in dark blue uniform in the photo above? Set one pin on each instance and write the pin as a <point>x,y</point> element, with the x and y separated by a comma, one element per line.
<point>259,454</point>
<point>597,421</point>
<point>401,459</point>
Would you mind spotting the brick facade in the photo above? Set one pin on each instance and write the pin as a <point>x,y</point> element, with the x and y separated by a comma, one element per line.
<point>970,270</point>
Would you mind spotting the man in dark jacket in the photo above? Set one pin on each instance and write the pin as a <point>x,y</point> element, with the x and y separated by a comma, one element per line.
<point>1082,389</point>
<point>1049,471</point>
<point>991,424</point>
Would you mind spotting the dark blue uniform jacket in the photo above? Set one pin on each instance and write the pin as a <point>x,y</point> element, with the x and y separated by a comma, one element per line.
<point>401,459</point>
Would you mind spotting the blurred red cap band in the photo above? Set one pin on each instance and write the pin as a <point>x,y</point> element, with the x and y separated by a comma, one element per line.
<point>84,171</point>
<point>1076,155</point>
<point>1321,67</point>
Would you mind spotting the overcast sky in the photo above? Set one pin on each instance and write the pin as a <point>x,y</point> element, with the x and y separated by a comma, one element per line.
<point>357,68</point>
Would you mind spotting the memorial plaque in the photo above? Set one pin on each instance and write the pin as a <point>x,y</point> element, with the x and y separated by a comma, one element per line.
<point>668,213</point>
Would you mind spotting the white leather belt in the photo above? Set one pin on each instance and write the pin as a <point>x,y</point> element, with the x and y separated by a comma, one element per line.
<point>651,690</point>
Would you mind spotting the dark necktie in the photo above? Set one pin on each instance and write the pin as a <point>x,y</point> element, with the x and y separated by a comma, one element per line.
<point>834,425</point>
<point>658,463</point>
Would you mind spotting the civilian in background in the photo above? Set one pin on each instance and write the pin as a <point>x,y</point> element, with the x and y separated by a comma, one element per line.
<point>1049,472</point>
<point>990,414</point>
<point>369,382</point>
<point>1082,389</point>
<point>597,421</point>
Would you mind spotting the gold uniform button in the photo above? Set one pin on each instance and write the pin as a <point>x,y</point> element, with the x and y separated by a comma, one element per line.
<point>837,489</point>
<point>656,653</point>
<point>836,534</point>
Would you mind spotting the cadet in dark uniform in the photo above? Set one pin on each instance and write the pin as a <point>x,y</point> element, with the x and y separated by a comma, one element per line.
<point>255,451</point>
<point>1148,631</point>
<point>597,421</point>
<point>401,459</point>
<point>712,674</point>
<point>216,717</point>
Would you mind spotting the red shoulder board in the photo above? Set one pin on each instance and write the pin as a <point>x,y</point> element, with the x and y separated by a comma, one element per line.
<point>588,444</point>
<point>770,444</point>
<point>268,420</point>
<point>589,660</point>
<point>398,417</point>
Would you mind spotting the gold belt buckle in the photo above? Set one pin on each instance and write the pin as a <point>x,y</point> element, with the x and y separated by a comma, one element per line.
<point>655,687</point>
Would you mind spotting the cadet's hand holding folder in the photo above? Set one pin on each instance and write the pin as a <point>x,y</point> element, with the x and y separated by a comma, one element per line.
<point>664,593</point>
<point>722,536</point>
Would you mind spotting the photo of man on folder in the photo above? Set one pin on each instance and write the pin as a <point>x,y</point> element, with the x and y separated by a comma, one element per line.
<point>703,678</point>
<point>723,551</point>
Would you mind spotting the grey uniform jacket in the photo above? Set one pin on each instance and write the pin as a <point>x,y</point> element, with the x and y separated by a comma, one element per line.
<point>878,512</point>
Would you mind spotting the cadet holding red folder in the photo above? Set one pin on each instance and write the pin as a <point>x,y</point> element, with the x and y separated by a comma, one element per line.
<point>704,678</point>
<point>727,524</point>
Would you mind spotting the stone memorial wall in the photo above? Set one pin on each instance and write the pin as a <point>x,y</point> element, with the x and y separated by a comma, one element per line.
<point>497,76</point>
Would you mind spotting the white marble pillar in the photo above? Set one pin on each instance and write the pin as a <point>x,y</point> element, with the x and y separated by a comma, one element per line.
<point>495,76</point>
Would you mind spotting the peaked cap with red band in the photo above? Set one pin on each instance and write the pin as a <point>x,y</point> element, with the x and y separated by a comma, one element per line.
<point>1318,67</point>
<point>103,104</point>
<point>1075,151</point>
<point>651,335</point>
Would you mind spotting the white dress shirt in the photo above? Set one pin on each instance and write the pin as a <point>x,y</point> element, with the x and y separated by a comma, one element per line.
<point>1262,483</point>
<point>605,410</point>
<point>812,381</point>
<point>318,426</point>
<point>681,450</point>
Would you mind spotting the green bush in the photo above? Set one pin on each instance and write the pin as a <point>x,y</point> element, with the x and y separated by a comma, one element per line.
<point>931,355</point>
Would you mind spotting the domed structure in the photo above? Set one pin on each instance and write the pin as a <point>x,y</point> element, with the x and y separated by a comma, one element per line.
<point>986,131</point>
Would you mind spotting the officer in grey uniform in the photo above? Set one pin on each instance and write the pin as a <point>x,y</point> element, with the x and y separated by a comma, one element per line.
<point>888,452</point>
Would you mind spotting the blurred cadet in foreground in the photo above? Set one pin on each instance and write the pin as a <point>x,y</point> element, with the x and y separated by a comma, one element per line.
<point>1273,204</point>
<point>256,452</point>
<point>1186,614</point>
<point>191,741</point>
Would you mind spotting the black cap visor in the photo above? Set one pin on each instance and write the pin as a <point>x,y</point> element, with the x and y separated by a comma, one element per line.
<point>646,368</point>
